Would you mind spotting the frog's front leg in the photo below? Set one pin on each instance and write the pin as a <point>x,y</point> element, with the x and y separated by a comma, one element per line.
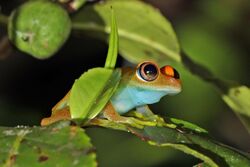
<point>110,114</point>
<point>144,113</point>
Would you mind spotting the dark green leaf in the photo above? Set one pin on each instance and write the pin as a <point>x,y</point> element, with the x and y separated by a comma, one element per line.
<point>57,145</point>
<point>184,139</point>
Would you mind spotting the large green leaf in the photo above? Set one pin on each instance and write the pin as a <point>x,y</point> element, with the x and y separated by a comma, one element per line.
<point>188,139</point>
<point>144,34</point>
<point>91,92</point>
<point>56,145</point>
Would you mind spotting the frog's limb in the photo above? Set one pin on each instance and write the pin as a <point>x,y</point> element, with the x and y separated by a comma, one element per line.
<point>59,112</point>
<point>63,114</point>
<point>110,114</point>
<point>63,103</point>
<point>144,113</point>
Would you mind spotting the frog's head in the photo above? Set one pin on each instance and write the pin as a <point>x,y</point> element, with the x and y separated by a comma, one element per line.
<point>145,84</point>
<point>165,79</point>
<point>148,83</point>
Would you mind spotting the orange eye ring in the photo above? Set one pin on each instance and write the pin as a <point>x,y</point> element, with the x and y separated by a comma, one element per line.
<point>170,72</point>
<point>148,71</point>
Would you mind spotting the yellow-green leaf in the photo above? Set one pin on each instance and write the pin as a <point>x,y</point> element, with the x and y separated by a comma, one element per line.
<point>113,44</point>
<point>91,92</point>
<point>238,98</point>
<point>144,34</point>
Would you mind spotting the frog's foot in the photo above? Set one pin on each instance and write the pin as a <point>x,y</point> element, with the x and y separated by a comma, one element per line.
<point>152,118</point>
<point>110,114</point>
<point>144,113</point>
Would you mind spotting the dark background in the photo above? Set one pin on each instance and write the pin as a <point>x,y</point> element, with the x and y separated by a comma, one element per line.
<point>214,33</point>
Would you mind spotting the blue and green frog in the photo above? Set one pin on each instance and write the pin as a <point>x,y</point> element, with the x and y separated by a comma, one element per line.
<point>140,86</point>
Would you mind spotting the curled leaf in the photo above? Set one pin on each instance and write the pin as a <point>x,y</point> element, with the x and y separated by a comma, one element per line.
<point>91,92</point>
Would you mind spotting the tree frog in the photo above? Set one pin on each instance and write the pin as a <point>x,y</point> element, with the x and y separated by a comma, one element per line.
<point>145,84</point>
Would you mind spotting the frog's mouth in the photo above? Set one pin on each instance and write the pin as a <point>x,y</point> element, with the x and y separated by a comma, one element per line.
<point>173,90</point>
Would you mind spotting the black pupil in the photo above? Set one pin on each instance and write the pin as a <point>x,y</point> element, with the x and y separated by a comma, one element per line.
<point>150,70</point>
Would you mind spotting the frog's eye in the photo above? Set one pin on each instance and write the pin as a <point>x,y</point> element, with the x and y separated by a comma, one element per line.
<point>170,72</point>
<point>148,71</point>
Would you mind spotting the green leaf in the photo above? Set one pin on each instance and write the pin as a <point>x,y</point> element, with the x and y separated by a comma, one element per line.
<point>197,144</point>
<point>56,145</point>
<point>144,34</point>
<point>238,98</point>
<point>188,125</point>
<point>39,28</point>
<point>202,147</point>
<point>91,92</point>
<point>113,44</point>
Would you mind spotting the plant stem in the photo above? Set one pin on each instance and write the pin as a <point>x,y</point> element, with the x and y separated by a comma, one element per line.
<point>3,20</point>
